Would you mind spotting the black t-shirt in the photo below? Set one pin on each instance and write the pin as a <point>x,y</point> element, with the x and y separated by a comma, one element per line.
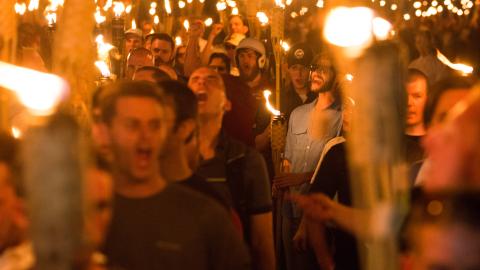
<point>334,178</point>
<point>198,183</point>
<point>176,228</point>
<point>414,149</point>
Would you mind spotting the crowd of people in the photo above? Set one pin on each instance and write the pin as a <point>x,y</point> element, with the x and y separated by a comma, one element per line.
<point>183,174</point>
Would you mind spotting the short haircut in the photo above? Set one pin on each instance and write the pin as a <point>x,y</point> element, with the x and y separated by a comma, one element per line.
<point>414,74</point>
<point>440,88</point>
<point>165,37</point>
<point>122,89</point>
<point>442,208</point>
<point>157,74</point>
<point>222,56</point>
<point>142,52</point>
<point>185,101</point>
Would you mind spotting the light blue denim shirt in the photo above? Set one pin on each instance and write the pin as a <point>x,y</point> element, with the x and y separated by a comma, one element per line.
<point>302,150</point>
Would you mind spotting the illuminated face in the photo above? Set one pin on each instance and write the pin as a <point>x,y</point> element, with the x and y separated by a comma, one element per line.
<point>248,64</point>
<point>442,247</point>
<point>13,222</point>
<point>236,26</point>
<point>99,197</point>
<point>208,87</point>
<point>162,51</point>
<point>322,77</point>
<point>137,134</point>
<point>132,42</point>
<point>298,75</point>
<point>181,52</point>
<point>219,65</point>
<point>100,138</point>
<point>417,97</point>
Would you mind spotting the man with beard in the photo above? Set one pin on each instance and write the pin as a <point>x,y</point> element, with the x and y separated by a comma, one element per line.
<point>310,127</point>
<point>162,47</point>
<point>236,171</point>
<point>157,225</point>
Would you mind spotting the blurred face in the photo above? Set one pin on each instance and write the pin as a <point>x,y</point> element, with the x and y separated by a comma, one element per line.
<point>446,144</point>
<point>230,48</point>
<point>248,65</point>
<point>100,137</point>
<point>137,134</point>
<point>417,97</point>
<point>162,51</point>
<point>322,77</point>
<point>208,87</point>
<point>236,26</point>
<point>136,61</point>
<point>181,55</point>
<point>99,192</point>
<point>132,42</point>
<point>440,247</point>
<point>13,221</point>
<point>218,65</point>
<point>299,76</point>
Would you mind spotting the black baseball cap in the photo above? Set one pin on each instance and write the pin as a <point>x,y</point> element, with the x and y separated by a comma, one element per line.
<point>301,54</point>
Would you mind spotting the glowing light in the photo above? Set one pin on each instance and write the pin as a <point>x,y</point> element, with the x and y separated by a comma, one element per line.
<point>156,20</point>
<point>99,18</point>
<point>382,3</point>
<point>201,1</point>
<point>450,7</point>
<point>16,133</point>
<point>235,11</point>
<point>168,7</point>
<point>293,15</point>
<point>434,3</point>
<point>288,2</point>
<point>152,11</point>
<point>103,67</point>
<point>393,7</point>
<point>118,8</point>
<point>455,10</point>
<point>231,3</point>
<point>279,3</point>
<point>221,6</point>
<point>181,4</point>
<point>128,9</point>
<point>459,12</point>
<point>440,8</point>
<point>466,12</point>
<point>153,5</point>
<point>418,13</point>
<point>465,69</point>
<point>285,45</point>
<point>424,3</point>
<point>20,8</point>
<point>208,22</point>
<point>103,48</point>
<point>186,24</point>
<point>108,5</point>
<point>303,11</point>
<point>417,4</point>
<point>134,24</point>
<point>447,2</point>
<point>349,77</point>
<point>381,28</point>
<point>51,18</point>
<point>33,5</point>
<point>39,92</point>
<point>406,17</point>
<point>266,95</point>
<point>320,4</point>
<point>178,40</point>
<point>262,18</point>
<point>189,1</point>
<point>470,4</point>
<point>349,27</point>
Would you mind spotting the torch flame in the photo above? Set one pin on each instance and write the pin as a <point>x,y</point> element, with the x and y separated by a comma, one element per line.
<point>134,24</point>
<point>108,5</point>
<point>458,67</point>
<point>118,8</point>
<point>16,132</point>
<point>99,18</point>
<point>266,95</point>
<point>33,5</point>
<point>128,9</point>
<point>168,7</point>
<point>20,8</point>
<point>221,5</point>
<point>156,19</point>
<point>262,17</point>
<point>279,3</point>
<point>186,24</point>
<point>103,48</point>
<point>181,4</point>
<point>39,92</point>
<point>103,67</point>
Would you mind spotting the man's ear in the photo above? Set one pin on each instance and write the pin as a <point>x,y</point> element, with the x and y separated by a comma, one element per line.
<point>227,106</point>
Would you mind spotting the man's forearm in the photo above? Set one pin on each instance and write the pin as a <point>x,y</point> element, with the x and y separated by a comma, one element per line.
<point>263,255</point>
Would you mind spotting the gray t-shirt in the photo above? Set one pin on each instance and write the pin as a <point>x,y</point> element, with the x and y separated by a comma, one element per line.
<point>174,229</point>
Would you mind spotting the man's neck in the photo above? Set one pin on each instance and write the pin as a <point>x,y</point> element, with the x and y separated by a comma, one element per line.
<point>416,130</point>
<point>324,101</point>
<point>132,188</point>
<point>301,91</point>
<point>175,166</point>
<point>209,131</point>
<point>255,82</point>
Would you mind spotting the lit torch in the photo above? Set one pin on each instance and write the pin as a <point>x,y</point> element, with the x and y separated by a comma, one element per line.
<point>118,32</point>
<point>277,34</point>
<point>278,132</point>
<point>464,69</point>
<point>169,18</point>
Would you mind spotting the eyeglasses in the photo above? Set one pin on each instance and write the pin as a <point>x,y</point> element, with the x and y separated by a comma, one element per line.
<point>318,69</point>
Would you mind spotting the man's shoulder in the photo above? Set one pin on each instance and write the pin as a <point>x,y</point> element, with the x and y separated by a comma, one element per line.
<point>303,109</point>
